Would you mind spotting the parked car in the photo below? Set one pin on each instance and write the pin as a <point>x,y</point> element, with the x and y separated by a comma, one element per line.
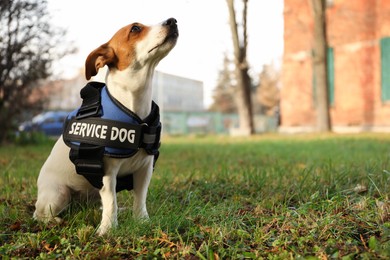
<point>50,123</point>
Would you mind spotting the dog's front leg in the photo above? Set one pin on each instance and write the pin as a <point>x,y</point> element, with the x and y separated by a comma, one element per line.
<point>141,184</point>
<point>109,203</point>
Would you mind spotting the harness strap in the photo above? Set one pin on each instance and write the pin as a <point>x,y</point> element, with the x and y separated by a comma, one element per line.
<point>88,160</point>
<point>152,131</point>
<point>91,105</point>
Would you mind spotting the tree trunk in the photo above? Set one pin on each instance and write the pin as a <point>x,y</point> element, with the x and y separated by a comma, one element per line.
<point>243,94</point>
<point>320,65</point>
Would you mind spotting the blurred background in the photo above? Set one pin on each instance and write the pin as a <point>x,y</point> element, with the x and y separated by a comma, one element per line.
<point>240,67</point>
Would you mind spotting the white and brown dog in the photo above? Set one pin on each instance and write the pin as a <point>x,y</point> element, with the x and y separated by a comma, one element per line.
<point>131,56</point>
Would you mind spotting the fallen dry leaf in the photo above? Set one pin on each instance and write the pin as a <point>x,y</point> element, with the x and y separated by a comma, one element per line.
<point>16,226</point>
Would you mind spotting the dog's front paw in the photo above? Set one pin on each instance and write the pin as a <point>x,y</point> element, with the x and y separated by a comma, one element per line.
<point>102,230</point>
<point>47,218</point>
<point>141,214</point>
<point>105,227</point>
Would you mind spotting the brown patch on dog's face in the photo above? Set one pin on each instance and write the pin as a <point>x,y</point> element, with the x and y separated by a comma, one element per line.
<point>118,52</point>
<point>124,43</point>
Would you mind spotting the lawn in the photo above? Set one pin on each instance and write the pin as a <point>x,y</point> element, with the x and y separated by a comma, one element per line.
<point>271,197</point>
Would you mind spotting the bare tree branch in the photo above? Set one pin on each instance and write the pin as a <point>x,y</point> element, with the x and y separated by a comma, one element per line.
<point>28,45</point>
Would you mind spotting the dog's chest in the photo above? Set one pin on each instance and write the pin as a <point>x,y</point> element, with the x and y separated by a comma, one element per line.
<point>138,162</point>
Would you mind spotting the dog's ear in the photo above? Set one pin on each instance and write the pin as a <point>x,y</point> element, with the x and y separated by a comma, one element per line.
<point>104,55</point>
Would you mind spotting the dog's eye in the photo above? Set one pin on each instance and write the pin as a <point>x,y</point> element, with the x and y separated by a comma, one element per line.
<point>135,28</point>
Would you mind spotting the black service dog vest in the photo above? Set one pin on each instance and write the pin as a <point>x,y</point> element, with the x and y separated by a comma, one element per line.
<point>103,126</point>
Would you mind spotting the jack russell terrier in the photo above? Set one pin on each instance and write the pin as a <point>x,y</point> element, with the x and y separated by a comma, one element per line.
<point>111,142</point>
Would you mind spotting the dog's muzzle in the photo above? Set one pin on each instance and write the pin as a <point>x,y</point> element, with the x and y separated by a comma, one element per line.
<point>171,23</point>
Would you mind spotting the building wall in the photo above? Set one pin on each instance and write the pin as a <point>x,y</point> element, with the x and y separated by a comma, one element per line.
<point>174,93</point>
<point>354,32</point>
<point>297,108</point>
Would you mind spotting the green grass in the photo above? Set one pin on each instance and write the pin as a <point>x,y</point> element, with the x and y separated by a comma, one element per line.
<point>272,197</point>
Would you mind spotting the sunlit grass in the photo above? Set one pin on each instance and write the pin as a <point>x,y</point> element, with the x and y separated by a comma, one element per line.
<point>265,196</point>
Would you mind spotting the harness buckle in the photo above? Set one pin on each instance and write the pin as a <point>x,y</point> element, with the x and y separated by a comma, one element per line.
<point>91,100</point>
<point>151,138</point>
<point>89,167</point>
<point>88,110</point>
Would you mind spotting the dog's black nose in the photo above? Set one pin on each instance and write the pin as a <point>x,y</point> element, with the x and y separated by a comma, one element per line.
<point>170,22</point>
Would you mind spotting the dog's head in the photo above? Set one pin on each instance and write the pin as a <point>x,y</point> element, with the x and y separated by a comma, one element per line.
<point>135,45</point>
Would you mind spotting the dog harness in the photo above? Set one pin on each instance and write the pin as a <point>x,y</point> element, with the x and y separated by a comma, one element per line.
<point>103,126</point>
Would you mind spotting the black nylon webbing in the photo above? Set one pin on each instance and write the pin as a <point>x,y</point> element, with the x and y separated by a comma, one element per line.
<point>91,100</point>
<point>88,160</point>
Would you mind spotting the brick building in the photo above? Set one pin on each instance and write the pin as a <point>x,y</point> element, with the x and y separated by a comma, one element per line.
<point>359,65</point>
